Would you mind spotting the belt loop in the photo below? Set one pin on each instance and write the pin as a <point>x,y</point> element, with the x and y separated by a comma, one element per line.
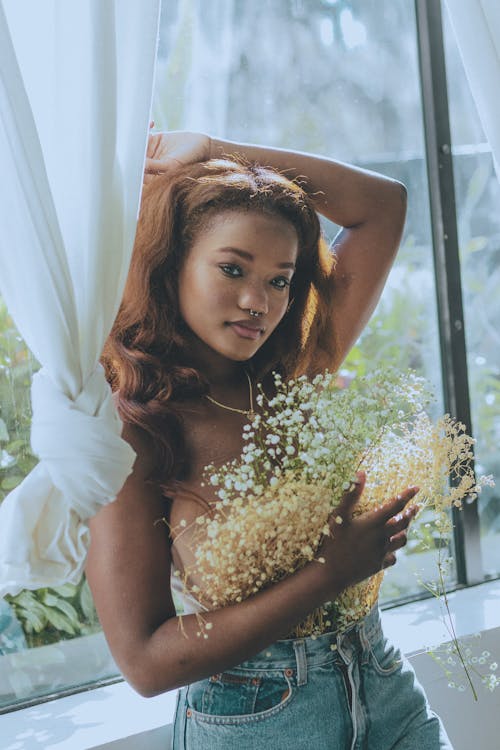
<point>364,640</point>
<point>301,659</point>
<point>367,633</point>
<point>362,634</point>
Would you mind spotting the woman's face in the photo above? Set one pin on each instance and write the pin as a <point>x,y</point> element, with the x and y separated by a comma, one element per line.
<point>242,261</point>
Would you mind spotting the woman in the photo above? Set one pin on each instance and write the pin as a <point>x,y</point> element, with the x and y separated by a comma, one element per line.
<point>229,281</point>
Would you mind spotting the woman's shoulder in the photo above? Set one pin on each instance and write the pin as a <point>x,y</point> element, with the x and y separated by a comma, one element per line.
<point>139,505</point>
<point>139,439</point>
<point>143,445</point>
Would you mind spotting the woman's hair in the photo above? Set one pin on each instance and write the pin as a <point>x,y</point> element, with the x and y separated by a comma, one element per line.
<point>144,353</point>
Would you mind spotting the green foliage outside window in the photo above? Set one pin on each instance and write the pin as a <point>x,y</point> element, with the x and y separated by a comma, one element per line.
<point>50,614</point>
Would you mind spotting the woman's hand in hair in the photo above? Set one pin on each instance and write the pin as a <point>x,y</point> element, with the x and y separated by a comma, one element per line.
<point>171,150</point>
<point>360,546</point>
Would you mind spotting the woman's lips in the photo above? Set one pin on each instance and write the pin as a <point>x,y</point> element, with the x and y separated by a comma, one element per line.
<point>246,331</point>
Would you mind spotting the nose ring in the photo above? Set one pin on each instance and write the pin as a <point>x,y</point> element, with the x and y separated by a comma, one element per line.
<point>255,313</point>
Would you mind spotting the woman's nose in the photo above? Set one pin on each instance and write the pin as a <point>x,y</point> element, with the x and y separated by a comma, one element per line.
<point>254,297</point>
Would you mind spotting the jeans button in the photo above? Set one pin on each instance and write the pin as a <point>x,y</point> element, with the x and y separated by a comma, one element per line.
<point>288,672</point>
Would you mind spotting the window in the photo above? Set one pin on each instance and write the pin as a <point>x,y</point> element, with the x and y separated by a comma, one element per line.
<point>477,194</point>
<point>339,78</point>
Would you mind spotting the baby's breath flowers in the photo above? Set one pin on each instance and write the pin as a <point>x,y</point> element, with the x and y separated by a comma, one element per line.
<point>301,452</point>
<point>474,663</point>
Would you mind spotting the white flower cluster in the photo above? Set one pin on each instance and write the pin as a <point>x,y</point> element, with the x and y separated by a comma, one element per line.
<point>319,431</point>
<point>301,452</point>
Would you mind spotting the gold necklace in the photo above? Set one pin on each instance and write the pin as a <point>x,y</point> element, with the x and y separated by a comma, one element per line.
<point>249,413</point>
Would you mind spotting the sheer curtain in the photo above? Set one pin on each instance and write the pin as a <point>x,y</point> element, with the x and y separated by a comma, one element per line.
<point>194,65</point>
<point>76,83</point>
<point>477,28</point>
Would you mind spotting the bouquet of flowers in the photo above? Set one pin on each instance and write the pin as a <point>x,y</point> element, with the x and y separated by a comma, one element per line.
<point>301,452</point>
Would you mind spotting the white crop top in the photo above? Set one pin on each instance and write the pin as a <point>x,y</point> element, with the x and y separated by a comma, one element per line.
<point>185,603</point>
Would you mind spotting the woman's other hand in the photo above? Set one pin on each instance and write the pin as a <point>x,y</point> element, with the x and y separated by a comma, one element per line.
<point>171,150</point>
<point>360,546</point>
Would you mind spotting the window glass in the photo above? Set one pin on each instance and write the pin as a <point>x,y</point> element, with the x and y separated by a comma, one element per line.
<point>477,197</point>
<point>337,78</point>
<point>49,639</point>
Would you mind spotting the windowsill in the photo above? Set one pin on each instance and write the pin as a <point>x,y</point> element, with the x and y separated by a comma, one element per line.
<point>420,624</point>
<point>115,718</point>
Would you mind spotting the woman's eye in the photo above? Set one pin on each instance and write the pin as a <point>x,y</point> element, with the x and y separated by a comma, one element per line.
<point>281,282</point>
<point>231,269</point>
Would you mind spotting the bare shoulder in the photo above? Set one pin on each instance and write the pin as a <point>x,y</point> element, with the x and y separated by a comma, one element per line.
<point>138,497</point>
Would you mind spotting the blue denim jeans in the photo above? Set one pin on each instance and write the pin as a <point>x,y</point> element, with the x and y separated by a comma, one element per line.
<point>351,691</point>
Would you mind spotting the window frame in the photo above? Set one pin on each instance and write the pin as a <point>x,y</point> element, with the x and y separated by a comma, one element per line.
<point>444,228</point>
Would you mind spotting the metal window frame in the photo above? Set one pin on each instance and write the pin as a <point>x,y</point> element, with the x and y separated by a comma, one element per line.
<point>434,92</point>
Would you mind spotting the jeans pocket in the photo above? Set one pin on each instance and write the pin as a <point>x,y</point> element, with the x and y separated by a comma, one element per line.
<point>384,657</point>
<point>231,697</point>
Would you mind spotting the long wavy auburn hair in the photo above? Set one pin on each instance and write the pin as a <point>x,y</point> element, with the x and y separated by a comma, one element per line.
<point>144,356</point>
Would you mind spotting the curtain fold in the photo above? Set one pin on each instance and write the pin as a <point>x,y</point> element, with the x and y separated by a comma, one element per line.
<point>75,97</point>
<point>476,24</point>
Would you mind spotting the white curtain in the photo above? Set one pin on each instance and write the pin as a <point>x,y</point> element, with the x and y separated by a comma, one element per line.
<point>76,82</point>
<point>194,94</point>
<point>477,29</point>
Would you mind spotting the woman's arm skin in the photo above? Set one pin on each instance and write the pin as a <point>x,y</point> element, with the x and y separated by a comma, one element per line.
<point>135,606</point>
<point>369,207</point>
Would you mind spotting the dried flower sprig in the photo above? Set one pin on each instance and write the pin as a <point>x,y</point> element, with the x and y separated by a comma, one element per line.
<point>452,656</point>
<point>301,452</point>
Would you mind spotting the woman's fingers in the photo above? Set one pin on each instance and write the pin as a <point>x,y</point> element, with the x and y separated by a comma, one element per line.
<point>393,514</point>
<point>401,520</point>
<point>344,509</point>
<point>389,523</point>
<point>174,149</point>
<point>397,541</point>
<point>393,544</point>
<point>153,165</point>
<point>395,505</point>
<point>159,166</point>
<point>396,531</point>
<point>389,560</point>
<point>397,528</point>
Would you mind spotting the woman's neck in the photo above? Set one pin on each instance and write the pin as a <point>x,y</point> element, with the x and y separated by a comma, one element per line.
<point>217,369</point>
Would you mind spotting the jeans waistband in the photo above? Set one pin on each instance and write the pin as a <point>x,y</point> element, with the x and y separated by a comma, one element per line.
<point>285,653</point>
